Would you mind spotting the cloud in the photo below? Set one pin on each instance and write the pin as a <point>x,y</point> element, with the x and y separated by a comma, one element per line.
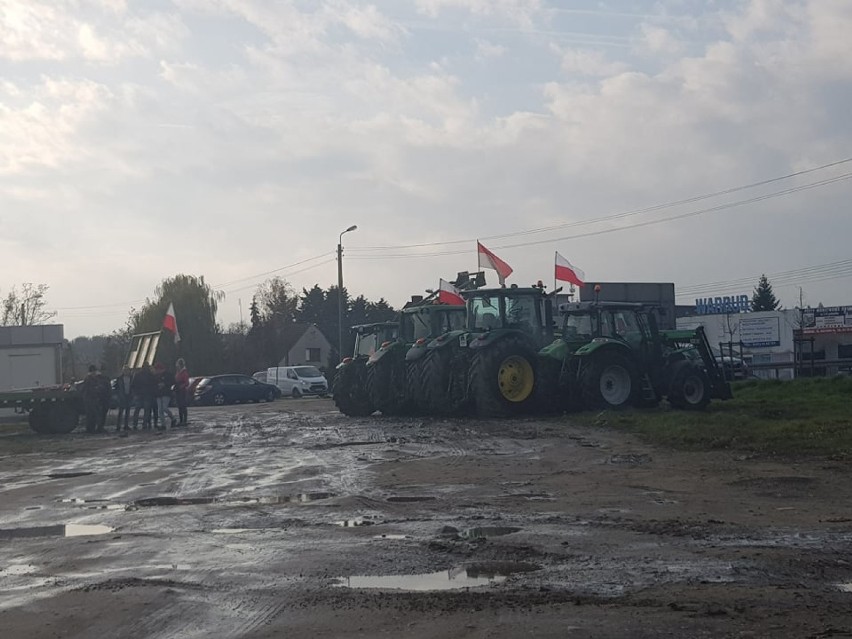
<point>229,137</point>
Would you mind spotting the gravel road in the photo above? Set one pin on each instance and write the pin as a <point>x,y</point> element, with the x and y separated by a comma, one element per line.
<point>289,520</point>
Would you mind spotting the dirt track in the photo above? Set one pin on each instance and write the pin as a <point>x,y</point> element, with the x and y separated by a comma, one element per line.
<point>288,519</point>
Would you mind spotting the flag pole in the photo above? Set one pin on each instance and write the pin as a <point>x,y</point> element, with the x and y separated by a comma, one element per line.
<point>555,253</point>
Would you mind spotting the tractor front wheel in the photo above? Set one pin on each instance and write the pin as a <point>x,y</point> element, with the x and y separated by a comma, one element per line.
<point>609,381</point>
<point>503,378</point>
<point>689,388</point>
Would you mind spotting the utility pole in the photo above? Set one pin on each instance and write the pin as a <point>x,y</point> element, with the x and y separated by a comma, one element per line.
<point>340,290</point>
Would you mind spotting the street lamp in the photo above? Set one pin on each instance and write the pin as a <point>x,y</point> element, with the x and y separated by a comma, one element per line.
<point>340,290</point>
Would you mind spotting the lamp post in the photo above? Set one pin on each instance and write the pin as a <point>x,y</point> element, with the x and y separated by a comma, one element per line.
<point>340,290</point>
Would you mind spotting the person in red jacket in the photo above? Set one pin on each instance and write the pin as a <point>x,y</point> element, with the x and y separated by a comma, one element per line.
<point>181,390</point>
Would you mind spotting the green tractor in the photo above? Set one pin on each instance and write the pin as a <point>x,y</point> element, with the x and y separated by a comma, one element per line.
<point>612,355</point>
<point>393,381</point>
<point>490,366</point>
<point>350,378</point>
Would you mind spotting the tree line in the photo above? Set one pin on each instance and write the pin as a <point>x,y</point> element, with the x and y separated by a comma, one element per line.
<point>242,347</point>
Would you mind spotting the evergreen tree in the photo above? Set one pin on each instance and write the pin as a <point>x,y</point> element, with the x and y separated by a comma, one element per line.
<point>763,298</point>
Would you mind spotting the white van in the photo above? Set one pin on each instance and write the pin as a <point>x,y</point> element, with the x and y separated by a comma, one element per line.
<point>295,381</point>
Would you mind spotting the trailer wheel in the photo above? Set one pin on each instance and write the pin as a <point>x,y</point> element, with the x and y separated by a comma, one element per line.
<point>63,419</point>
<point>38,419</point>
<point>689,388</point>
<point>609,381</point>
<point>349,390</point>
<point>503,378</point>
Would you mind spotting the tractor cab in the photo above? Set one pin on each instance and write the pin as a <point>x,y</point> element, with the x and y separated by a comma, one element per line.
<point>582,322</point>
<point>370,337</point>
<point>429,320</point>
<point>528,310</point>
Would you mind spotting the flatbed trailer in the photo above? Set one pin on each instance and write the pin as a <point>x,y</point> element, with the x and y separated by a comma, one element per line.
<point>54,410</point>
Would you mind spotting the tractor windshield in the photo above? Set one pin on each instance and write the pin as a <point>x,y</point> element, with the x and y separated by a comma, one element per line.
<point>366,344</point>
<point>521,313</point>
<point>579,327</point>
<point>484,313</point>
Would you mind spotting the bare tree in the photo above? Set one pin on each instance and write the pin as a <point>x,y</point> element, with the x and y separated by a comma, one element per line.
<point>25,307</point>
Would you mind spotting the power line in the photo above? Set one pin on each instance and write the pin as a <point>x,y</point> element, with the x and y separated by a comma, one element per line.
<point>301,270</point>
<point>680,216</point>
<point>615,216</point>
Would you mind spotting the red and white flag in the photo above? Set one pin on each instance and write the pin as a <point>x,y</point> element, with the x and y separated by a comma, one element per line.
<point>449,294</point>
<point>487,259</point>
<point>170,322</point>
<point>567,272</point>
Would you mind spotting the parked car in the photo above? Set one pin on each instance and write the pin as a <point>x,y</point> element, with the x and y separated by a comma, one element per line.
<point>295,381</point>
<point>734,366</point>
<point>229,389</point>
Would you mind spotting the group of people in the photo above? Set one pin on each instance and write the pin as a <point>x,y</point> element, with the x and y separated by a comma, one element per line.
<point>148,390</point>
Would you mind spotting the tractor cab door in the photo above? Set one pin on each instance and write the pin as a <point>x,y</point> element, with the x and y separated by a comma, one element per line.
<point>652,347</point>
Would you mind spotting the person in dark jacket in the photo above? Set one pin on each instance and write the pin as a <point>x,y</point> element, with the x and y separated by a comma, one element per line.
<point>165,382</point>
<point>143,389</point>
<point>92,389</point>
<point>124,395</point>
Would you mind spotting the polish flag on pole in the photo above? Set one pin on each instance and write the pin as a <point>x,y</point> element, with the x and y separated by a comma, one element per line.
<point>567,272</point>
<point>487,259</point>
<point>170,322</point>
<point>449,294</point>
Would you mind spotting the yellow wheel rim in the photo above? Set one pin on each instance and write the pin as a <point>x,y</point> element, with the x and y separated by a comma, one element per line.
<point>515,378</point>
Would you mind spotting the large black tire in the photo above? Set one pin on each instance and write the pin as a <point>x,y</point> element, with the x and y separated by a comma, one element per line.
<point>689,388</point>
<point>610,380</point>
<point>62,418</point>
<point>350,392</point>
<point>386,384</point>
<point>503,378</point>
<point>414,386</point>
<point>438,396</point>
<point>39,419</point>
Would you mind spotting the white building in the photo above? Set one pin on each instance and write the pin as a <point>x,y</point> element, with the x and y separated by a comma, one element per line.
<point>766,337</point>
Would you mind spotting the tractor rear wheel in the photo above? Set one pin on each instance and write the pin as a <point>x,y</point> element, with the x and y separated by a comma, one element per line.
<point>610,380</point>
<point>689,388</point>
<point>414,386</point>
<point>350,392</point>
<point>435,394</point>
<point>503,378</point>
<point>384,382</point>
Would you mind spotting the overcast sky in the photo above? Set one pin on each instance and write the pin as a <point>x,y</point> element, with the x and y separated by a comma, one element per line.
<point>231,138</point>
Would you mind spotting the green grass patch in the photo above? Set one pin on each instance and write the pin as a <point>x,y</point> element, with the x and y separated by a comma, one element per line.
<point>809,416</point>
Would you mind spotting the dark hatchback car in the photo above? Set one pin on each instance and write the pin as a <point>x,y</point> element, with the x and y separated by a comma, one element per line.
<point>229,389</point>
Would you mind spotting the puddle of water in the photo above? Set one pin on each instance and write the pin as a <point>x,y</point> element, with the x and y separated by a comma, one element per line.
<point>388,536</point>
<point>354,523</point>
<point>847,587</point>
<point>473,576</point>
<point>301,498</point>
<point>67,530</point>
<point>21,569</point>
<point>233,531</point>
<point>630,459</point>
<point>408,500</point>
<point>488,531</point>
<point>68,474</point>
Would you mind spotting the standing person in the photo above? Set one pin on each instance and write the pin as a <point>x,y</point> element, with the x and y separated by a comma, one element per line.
<point>164,382</point>
<point>124,394</point>
<point>143,388</point>
<point>92,399</point>
<point>104,397</point>
<point>181,390</point>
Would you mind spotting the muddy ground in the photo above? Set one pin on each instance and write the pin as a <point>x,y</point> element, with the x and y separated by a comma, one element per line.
<point>290,520</point>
